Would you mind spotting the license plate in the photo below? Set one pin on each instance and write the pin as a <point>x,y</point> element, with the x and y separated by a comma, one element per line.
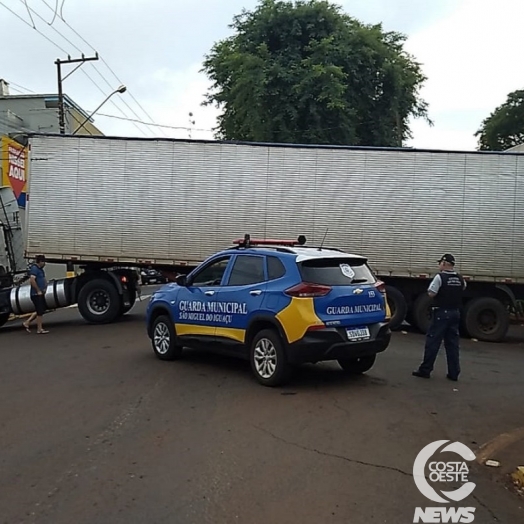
<point>358,333</point>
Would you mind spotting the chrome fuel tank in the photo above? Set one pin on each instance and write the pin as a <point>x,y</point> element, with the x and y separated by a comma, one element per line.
<point>56,296</point>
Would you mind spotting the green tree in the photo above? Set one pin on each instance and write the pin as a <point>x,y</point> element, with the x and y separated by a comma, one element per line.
<point>504,128</point>
<point>306,72</point>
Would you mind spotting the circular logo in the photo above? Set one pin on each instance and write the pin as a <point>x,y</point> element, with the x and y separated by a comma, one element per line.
<point>441,471</point>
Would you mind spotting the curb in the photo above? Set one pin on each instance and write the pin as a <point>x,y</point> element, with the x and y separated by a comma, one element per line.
<point>498,444</point>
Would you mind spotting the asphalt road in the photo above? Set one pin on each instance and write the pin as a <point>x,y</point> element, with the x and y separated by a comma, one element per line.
<point>95,429</point>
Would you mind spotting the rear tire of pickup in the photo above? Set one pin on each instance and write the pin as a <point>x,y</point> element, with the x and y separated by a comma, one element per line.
<point>163,339</point>
<point>99,302</point>
<point>422,312</point>
<point>268,359</point>
<point>398,306</point>
<point>486,319</point>
<point>4,318</point>
<point>357,366</point>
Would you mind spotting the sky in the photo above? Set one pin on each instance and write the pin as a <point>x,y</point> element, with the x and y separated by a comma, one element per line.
<point>470,50</point>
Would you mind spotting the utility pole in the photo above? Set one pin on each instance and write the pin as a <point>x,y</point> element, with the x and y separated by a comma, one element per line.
<point>58,62</point>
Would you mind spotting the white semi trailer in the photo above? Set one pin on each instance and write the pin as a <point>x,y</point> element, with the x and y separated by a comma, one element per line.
<point>110,203</point>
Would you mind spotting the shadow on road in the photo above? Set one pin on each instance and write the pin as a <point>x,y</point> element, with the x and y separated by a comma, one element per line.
<point>304,377</point>
<point>51,321</point>
<point>515,334</point>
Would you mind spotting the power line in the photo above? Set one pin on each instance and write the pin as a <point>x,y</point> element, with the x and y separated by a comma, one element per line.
<point>154,124</point>
<point>64,51</point>
<point>84,72</point>
<point>130,94</point>
<point>17,90</point>
<point>121,110</point>
<point>108,67</point>
<point>125,116</point>
<point>79,122</point>
<point>53,28</point>
<point>55,13</point>
<point>32,27</point>
<point>19,86</point>
<point>104,61</point>
<point>29,13</point>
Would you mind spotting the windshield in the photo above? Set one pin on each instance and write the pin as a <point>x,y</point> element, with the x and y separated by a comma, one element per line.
<point>336,271</point>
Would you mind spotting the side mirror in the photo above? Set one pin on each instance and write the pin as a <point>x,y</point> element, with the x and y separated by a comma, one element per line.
<point>181,280</point>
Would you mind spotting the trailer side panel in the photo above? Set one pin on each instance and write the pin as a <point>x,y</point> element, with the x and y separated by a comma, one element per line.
<point>173,201</point>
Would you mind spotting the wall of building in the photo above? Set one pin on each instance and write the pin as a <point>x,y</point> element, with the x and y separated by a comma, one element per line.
<point>35,114</point>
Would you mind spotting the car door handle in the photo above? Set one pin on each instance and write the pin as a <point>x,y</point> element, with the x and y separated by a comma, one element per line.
<point>255,292</point>
<point>209,293</point>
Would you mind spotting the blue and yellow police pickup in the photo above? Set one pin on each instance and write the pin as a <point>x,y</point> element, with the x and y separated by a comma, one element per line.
<point>277,304</point>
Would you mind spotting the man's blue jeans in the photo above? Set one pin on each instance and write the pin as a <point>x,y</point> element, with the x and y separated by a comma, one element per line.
<point>444,327</point>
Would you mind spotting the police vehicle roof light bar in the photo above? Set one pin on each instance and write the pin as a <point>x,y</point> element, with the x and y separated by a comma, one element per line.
<point>247,242</point>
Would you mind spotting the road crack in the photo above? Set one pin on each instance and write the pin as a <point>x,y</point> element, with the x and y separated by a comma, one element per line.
<point>93,452</point>
<point>338,406</point>
<point>488,509</point>
<point>334,455</point>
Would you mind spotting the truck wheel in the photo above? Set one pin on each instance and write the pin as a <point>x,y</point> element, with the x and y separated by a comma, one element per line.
<point>398,305</point>
<point>357,366</point>
<point>164,339</point>
<point>268,359</point>
<point>422,312</point>
<point>486,319</point>
<point>99,302</point>
<point>4,318</point>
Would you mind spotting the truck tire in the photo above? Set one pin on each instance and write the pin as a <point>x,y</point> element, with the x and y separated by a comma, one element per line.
<point>4,318</point>
<point>422,312</point>
<point>99,302</point>
<point>398,305</point>
<point>486,319</point>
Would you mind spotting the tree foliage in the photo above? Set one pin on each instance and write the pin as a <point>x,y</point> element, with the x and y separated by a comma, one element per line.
<point>504,128</point>
<point>305,72</point>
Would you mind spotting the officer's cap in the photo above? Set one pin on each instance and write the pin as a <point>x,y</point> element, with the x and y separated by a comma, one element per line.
<point>448,258</point>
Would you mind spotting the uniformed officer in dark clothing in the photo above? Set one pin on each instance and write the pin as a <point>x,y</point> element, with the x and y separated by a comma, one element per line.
<point>446,289</point>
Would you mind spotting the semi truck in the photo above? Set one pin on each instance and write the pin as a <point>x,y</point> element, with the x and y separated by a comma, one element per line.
<point>102,291</point>
<point>110,205</point>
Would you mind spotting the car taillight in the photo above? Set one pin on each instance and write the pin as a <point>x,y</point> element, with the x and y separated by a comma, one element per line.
<point>304,289</point>
<point>380,286</point>
<point>316,327</point>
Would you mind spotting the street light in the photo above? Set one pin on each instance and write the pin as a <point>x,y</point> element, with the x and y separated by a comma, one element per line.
<point>121,89</point>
